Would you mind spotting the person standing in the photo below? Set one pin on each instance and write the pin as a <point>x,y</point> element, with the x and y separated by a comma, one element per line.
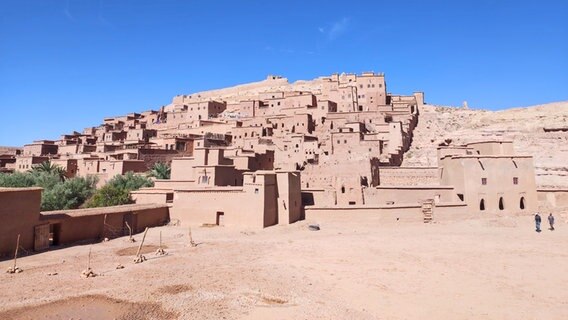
<point>551,221</point>
<point>537,221</point>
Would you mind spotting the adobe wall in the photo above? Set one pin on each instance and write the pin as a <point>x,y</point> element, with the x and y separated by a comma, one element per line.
<point>133,165</point>
<point>493,147</point>
<point>289,197</point>
<point>91,224</point>
<point>408,176</point>
<point>19,213</point>
<point>388,214</point>
<point>200,206</point>
<point>408,195</point>
<point>491,180</point>
<point>553,198</point>
<point>182,168</point>
<point>153,156</point>
<point>318,197</point>
<point>151,195</point>
<point>151,217</point>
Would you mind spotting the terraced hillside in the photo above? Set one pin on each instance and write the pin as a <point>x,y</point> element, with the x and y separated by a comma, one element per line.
<point>541,131</point>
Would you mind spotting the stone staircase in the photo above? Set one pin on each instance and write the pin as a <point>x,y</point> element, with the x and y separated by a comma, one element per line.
<point>428,210</point>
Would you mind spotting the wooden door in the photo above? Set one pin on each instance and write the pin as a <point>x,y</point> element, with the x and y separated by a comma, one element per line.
<point>41,237</point>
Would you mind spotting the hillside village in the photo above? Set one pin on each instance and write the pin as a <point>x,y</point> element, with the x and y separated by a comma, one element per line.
<point>340,151</point>
<point>285,152</point>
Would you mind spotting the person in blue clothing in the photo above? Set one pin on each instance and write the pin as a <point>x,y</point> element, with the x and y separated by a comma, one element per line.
<point>537,221</point>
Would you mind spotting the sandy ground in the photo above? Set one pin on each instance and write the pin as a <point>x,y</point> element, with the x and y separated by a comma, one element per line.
<point>491,268</point>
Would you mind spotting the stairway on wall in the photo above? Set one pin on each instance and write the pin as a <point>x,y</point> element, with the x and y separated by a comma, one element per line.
<point>428,210</point>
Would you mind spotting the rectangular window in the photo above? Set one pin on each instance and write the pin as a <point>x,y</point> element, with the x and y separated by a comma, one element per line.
<point>515,180</point>
<point>484,181</point>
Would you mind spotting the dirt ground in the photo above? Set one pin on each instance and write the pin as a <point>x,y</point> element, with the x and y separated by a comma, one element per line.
<point>490,268</point>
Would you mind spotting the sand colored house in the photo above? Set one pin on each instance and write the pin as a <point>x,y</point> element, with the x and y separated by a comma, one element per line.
<point>266,198</point>
<point>488,176</point>
<point>205,188</point>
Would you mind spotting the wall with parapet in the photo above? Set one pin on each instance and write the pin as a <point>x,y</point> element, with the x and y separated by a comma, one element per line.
<point>408,176</point>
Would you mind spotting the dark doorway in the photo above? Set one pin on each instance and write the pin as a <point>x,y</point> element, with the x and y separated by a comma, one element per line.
<point>482,205</point>
<point>220,219</point>
<point>522,203</point>
<point>54,234</point>
<point>501,204</point>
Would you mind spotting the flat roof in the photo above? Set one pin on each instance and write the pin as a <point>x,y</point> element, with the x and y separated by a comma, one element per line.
<point>209,189</point>
<point>490,141</point>
<point>3,189</point>
<point>415,187</point>
<point>101,210</point>
<point>473,156</point>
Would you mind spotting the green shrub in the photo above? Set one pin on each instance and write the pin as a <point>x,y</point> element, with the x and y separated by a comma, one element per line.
<point>17,180</point>
<point>130,181</point>
<point>57,194</point>
<point>160,170</point>
<point>117,190</point>
<point>108,195</point>
<point>70,194</point>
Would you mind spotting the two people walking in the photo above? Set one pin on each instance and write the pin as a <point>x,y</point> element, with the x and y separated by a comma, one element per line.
<point>537,221</point>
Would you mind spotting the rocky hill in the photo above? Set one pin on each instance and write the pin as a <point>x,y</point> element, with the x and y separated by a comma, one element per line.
<point>540,131</point>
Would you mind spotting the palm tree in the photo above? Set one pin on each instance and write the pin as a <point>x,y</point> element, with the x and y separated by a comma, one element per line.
<point>48,167</point>
<point>160,170</point>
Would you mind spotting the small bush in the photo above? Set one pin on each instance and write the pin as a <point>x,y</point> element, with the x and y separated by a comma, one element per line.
<point>117,190</point>
<point>108,195</point>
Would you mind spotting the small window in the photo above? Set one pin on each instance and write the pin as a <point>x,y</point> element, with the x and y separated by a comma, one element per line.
<point>515,180</point>
<point>255,190</point>
<point>484,181</point>
<point>460,195</point>
<point>342,189</point>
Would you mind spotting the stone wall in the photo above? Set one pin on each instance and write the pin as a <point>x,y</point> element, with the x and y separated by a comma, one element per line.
<point>408,176</point>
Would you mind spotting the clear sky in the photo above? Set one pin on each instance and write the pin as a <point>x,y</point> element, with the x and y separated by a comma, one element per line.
<point>65,65</point>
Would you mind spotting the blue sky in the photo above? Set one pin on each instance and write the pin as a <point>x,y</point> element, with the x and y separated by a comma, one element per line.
<point>64,65</point>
